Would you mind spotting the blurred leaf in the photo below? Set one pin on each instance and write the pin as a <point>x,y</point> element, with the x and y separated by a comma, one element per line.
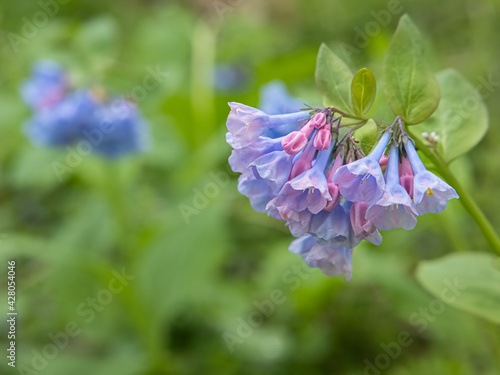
<point>97,42</point>
<point>363,91</point>
<point>333,78</point>
<point>182,262</point>
<point>461,119</point>
<point>411,88</point>
<point>374,267</point>
<point>474,279</point>
<point>19,245</point>
<point>90,228</point>
<point>124,360</point>
<point>35,167</point>
<point>367,136</point>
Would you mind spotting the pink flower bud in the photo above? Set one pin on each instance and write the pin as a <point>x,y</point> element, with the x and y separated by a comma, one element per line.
<point>319,120</point>
<point>323,138</point>
<point>406,176</point>
<point>304,163</point>
<point>333,188</point>
<point>307,129</point>
<point>334,191</point>
<point>294,142</point>
<point>383,160</point>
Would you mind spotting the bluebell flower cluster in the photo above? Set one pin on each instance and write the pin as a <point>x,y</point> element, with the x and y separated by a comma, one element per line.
<point>62,116</point>
<point>329,193</point>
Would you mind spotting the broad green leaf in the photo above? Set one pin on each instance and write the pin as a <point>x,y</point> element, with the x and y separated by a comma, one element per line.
<point>363,91</point>
<point>461,119</point>
<point>467,281</point>
<point>367,136</point>
<point>411,88</point>
<point>333,78</point>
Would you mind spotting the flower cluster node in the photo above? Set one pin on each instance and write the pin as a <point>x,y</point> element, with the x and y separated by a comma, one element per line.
<point>432,138</point>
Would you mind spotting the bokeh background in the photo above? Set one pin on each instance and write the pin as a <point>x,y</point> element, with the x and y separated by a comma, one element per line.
<point>194,284</point>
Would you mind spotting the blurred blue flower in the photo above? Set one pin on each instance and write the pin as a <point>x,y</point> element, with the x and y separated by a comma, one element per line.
<point>122,127</point>
<point>46,87</point>
<point>63,124</point>
<point>274,99</point>
<point>231,78</point>
<point>111,128</point>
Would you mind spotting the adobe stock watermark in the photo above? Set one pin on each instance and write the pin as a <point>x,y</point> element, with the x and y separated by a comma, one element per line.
<point>31,26</point>
<point>246,326</point>
<point>202,197</point>
<point>93,138</point>
<point>87,311</point>
<point>420,320</point>
<point>222,7</point>
<point>365,35</point>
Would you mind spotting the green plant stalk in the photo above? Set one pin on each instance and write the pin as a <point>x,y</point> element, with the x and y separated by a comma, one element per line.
<point>203,47</point>
<point>465,198</point>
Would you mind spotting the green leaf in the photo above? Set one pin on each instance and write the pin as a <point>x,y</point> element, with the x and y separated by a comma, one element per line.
<point>461,119</point>
<point>367,136</point>
<point>474,280</point>
<point>333,78</point>
<point>411,88</point>
<point>363,91</point>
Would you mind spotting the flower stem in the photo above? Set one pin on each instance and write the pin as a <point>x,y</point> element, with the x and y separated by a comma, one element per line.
<point>465,198</point>
<point>346,115</point>
<point>352,124</point>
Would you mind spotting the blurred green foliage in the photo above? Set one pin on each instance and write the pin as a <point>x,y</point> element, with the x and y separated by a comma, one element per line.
<point>193,282</point>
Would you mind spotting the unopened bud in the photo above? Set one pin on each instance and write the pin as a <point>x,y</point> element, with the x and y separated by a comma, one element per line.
<point>294,142</point>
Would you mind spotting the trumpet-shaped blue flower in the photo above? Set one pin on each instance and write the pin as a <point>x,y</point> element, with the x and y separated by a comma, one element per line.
<point>333,260</point>
<point>334,226</point>
<point>430,193</point>
<point>363,228</point>
<point>246,124</point>
<point>273,167</point>
<point>395,209</point>
<point>309,190</point>
<point>241,158</point>
<point>363,180</point>
<point>256,189</point>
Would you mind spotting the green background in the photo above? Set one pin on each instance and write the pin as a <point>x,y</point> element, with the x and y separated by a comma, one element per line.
<point>195,280</point>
